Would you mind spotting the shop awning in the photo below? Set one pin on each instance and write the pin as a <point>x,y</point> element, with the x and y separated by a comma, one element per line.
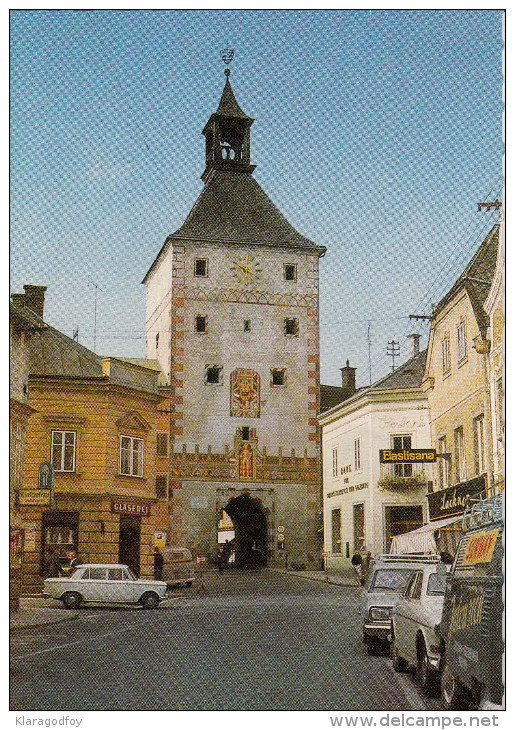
<point>421,540</point>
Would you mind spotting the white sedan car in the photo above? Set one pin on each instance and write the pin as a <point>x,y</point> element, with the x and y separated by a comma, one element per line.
<point>104,583</point>
<point>414,639</point>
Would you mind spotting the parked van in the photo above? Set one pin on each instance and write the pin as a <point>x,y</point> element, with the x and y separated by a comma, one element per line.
<point>178,566</point>
<point>471,629</point>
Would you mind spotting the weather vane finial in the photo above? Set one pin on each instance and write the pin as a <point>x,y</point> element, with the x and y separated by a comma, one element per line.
<point>227,56</point>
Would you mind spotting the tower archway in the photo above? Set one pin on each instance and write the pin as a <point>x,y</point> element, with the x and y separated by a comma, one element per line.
<point>250,531</point>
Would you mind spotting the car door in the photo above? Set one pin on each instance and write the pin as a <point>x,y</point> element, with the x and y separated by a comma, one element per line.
<point>411,617</point>
<point>118,589</point>
<point>93,584</point>
<point>131,585</point>
<point>404,614</point>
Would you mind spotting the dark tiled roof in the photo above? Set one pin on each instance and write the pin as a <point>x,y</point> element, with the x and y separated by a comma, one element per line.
<point>408,375</point>
<point>330,396</point>
<point>234,207</point>
<point>477,278</point>
<point>53,354</point>
<point>24,318</point>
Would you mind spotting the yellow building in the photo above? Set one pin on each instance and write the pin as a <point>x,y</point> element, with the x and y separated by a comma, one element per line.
<point>457,384</point>
<point>96,423</point>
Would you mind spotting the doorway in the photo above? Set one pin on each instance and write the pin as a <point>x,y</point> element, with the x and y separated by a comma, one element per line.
<point>399,520</point>
<point>250,531</point>
<point>129,542</point>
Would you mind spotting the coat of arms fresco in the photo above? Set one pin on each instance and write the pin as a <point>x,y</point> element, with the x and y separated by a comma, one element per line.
<point>245,393</point>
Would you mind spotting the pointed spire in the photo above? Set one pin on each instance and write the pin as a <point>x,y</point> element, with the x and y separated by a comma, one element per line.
<point>228,106</point>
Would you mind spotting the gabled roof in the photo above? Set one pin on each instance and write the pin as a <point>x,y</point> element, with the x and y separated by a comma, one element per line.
<point>54,354</point>
<point>407,376</point>
<point>477,278</point>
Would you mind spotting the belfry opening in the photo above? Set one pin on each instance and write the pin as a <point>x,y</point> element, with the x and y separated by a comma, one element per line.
<point>250,531</point>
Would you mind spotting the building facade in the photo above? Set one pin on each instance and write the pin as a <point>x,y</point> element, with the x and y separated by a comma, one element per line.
<point>367,503</point>
<point>95,423</point>
<point>457,382</point>
<point>22,323</point>
<point>232,317</point>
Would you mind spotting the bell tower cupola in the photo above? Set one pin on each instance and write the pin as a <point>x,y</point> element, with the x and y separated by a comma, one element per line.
<point>227,132</point>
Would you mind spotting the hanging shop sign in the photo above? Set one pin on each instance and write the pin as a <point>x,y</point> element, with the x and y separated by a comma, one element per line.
<point>160,538</point>
<point>407,456</point>
<point>130,507</point>
<point>454,500</point>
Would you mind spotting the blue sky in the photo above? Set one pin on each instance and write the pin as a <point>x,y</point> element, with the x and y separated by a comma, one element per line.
<point>376,134</point>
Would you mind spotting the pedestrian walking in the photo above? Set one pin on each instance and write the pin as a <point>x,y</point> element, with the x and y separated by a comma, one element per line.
<point>220,559</point>
<point>357,564</point>
<point>52,564</point>
<point>158,564</point>
<point>75,561</point>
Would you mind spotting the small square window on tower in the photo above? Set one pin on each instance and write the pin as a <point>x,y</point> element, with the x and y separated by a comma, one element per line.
<point>200,323</point>
<point>213,374</point>
<point>291,326</point>
<point>200,267</point>
<point>278,376</point>
<point>245,433</point>
<point>290,272</point>
<point>246,325</point>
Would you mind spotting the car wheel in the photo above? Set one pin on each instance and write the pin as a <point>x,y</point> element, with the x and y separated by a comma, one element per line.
<point>399,664</point>
<point>149,600</point>
<point>71,600</point>
<point>426,675</point>
<point>454,694</point>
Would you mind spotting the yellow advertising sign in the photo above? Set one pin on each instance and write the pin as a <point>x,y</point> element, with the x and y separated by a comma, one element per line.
<point>480,547</point>
<point>38,497</point>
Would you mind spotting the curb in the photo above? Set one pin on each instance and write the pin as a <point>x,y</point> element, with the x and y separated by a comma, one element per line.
<point>318,579</point>
<point>21,627</point>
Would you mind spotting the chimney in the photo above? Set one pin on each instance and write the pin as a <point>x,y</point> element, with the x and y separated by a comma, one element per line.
<point>348,380</point>
<point>35,298</point>
<point>414,345</point>
<point>18,299</point>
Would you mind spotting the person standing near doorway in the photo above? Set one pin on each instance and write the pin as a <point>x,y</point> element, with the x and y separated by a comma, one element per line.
<point>158,564</point>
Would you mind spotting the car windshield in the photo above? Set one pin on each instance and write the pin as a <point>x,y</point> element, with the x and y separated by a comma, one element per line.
<point>436,584</point>
<point>77,573</point>
<point>129,574</point>
<point>390,579</point>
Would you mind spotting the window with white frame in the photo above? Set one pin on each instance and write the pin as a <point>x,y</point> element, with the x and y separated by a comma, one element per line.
<point>444,463</point>
<point>399,443</point>
<point>131,456</point>
<point>459,454</point>
<point>63,450</point>
<point>479,444</point>
<point>357,454</point>
<point>462,344</point>
<point>446,355</point>
<point>335,463</point>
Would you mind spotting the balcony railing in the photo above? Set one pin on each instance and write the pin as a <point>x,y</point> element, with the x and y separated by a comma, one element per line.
<point>404,477</point>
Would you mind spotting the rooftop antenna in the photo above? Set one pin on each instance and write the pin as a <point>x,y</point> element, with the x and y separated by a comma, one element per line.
<point>95,325</point>
<point>393,351</point>
<point>76,334</point>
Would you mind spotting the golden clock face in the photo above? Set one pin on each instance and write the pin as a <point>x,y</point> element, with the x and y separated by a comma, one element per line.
<point>246,269</point>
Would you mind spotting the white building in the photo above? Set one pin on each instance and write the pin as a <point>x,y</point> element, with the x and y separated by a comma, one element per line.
<point>367,503</point>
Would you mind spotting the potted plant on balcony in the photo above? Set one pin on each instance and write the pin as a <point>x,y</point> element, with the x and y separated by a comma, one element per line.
<point>395,482</point>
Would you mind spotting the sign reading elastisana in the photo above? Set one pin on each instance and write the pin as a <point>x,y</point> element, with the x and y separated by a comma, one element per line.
<point>407,456</point>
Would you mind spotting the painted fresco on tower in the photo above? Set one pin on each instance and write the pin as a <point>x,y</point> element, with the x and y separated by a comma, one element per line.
<point>246,462</point>
<point>245,393</point>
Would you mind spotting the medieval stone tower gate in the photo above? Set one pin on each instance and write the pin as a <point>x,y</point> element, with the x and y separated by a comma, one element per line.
<point>232,317</point>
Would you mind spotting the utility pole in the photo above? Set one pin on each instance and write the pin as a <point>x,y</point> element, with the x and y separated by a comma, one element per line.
<point>495,204</point>
<point>95,325</point>
<point>369,341</point>
<point>393,350</point>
